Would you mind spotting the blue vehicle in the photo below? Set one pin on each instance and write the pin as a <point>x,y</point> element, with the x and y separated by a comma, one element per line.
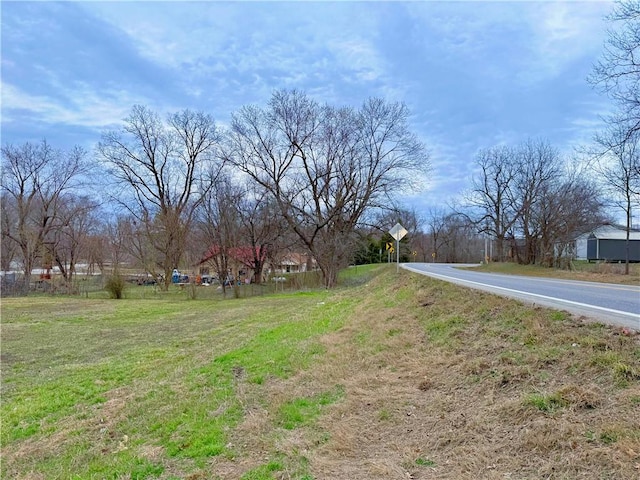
<point>175,277</point>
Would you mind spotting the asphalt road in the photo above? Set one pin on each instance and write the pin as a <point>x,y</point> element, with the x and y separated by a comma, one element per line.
<point>605,302</point>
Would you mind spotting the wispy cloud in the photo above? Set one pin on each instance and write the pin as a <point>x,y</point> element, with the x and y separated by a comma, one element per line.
<point>527,41</point>
<point>561,33</point>
<point>279,44</point>
<point>82,106</point>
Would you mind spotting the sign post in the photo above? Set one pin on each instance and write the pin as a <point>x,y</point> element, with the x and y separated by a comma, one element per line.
<point>389,248</point>
<point>398,232</point>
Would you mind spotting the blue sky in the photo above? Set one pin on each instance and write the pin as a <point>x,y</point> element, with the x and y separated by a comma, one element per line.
<point>474,74</point>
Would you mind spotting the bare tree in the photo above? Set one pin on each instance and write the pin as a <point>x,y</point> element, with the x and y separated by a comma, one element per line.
<point>70,233</point>
<point>325,166</point>
<point>97,250</point>
<point>537,167</point>
<point>158,164</point>
<point>35,178</point>
<point>9,248</point>
<point>437,221</point>
<point>618,165</point>
<point>126,241</point>
<point>524,193</point>
<point>617,73</point>
<point>567,206</point>
<point>491,194</point>
<point>421,245</point>
<point>459,240</point>
<point>219,225</point>
<point>262,228</point>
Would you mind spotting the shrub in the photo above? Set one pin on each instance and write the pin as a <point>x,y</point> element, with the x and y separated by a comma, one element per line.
<point>115,286</point>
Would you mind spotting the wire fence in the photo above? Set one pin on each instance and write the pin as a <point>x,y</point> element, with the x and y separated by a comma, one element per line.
<point>93,286</point>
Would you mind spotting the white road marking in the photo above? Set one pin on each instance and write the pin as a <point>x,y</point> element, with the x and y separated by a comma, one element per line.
<point>545,297</point>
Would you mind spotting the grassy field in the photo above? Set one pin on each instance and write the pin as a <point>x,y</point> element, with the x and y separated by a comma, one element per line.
<point>389,376</point>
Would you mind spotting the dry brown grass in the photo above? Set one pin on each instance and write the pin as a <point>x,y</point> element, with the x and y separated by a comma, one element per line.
<point>420,403</point>
<point>588,272</point>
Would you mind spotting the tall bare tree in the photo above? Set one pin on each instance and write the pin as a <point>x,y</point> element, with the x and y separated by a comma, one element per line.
<point>35,179</point>
<point>460,241</point>
<point>75,221</point>
<point>491,196</point>
<point>262,228</point>
<point>617,73</point>
<point>158,166</point>
<point>529,194</point>
<point>8,247</point>
<point>326,166</point>
<point>537,167</point>
<point>218,223</point>
<point>436,223</point>
<point>125,242</point>
<point>567,206</point>
<point>618,165</point>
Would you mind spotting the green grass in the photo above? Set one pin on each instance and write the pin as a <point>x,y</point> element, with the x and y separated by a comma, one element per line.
<point>425,462</point>
<point>548,403</point>
<point>303,411</point>
<point>358,274</point>
<point>264,472</point>
<point>384,415</point>
<point>175,362</point>
<point>442,331</point>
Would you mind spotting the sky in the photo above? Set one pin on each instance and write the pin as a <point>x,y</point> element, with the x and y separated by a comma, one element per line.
<point>473,74</point>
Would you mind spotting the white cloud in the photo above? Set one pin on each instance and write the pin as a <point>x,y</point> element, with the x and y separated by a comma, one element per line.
<point>170,34</point>
<point>528,41</point>
<point>563,32</point>
<point>279,45</point>
<point>582,129</point>
<point>82,107</point>
<point>358,57</point>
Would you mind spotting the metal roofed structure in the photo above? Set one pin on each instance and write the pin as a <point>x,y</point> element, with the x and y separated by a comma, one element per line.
<point>608,243</point>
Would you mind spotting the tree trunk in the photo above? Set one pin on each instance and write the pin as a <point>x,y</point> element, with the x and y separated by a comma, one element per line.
<point>168,274</point>
<point>627,243</point>
<point>257,272</point>
<point>500,247</point>
<point>329,275</point>
<point>28,268</point>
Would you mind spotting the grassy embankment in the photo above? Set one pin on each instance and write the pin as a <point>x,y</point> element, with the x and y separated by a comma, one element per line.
<point>581,270</point>
<point>393,376</point>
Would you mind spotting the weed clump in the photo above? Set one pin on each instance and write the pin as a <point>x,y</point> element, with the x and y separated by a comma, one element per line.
<point>624,373</point>
<point>425,462</point>
<point>546,403</point>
